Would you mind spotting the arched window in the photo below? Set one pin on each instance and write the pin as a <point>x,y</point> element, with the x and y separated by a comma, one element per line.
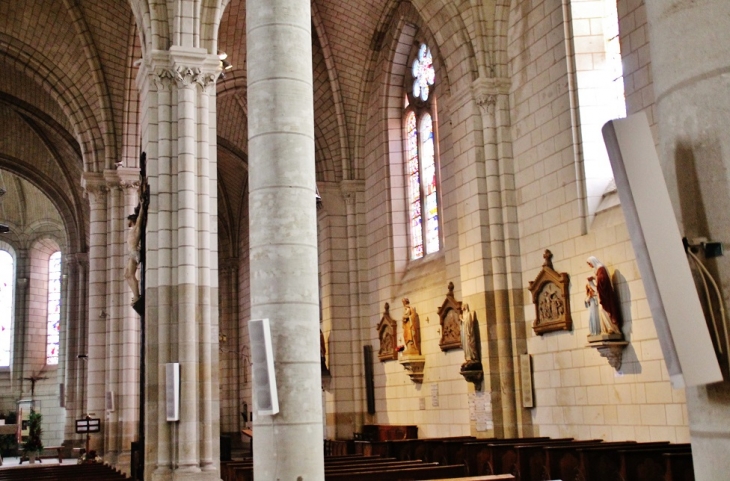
<point>54,309</point>
<point>599,78</point>
<point>7,284</point>
<point>421,157</point>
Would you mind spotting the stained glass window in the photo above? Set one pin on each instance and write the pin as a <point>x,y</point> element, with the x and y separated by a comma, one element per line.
<point>7,271</point>
<point>54,309</point>
<point>423,73</point>
<point>421,166</point>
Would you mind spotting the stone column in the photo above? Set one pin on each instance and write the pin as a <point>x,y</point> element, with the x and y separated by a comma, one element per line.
<point>691,78</point>
<point>283,233</point>
<point>495,209</point>
<point>181,291</point>
<point>97,191</point>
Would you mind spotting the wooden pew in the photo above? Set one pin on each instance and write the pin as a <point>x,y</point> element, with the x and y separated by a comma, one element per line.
<point>73,472</point>
<point>564,461</point>
<point>648,463</point>
<point>497,456</point>
<point>423,471</point>
<point>603,463</point>
<point>679,467</point>
<point>437,449</point>
<point>531,458</point>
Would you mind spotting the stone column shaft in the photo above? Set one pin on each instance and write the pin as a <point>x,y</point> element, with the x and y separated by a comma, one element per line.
<point>283,233</point>
<point>181,319</point>
<point>97,191</point>
<point>690,65</point>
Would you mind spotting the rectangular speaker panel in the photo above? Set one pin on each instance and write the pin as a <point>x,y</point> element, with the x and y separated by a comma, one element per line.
<point>172,391</point>
<point>670,288</point>
<point>265,397</point>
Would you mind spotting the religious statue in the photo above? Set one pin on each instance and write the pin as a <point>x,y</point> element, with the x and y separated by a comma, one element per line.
<point>136,223</point>
<point>605,318</point>
<point>387,332</point>
<point>134,237</point>
<point>450,319</point>
<point>411,329</point>
<point>469,340</point>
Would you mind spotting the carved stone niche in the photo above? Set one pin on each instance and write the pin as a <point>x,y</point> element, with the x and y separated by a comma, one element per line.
<point>450,319</point>
<point>550,296</point>
<point>388,334</point>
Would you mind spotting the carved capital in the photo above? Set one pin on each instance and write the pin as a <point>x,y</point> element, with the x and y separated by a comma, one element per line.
<point>350,189</point>
<point>206,80</point>
<point>486,91</point>
<point>162,78</point>
<point>82,258</point>
<point>95,187</point>
<point>185,76</point>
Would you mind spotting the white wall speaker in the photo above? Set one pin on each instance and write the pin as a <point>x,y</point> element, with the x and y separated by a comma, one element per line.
<point>172,391</point>
<point>670,289</point>
<point>266,400</point>
<point>109,401</point>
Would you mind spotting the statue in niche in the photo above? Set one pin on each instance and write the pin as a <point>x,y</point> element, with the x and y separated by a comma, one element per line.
<point>472,359</point>
<point>411,329</point>
<point>387,333</point>
<point>605,318</point>
<point>450,318</point>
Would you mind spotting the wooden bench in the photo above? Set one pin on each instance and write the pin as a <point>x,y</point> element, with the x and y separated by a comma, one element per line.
<point>421,472</point>
<point>679,467</point>
<point>71,472</point>
<point>603,463</point>
<point>648,463</point>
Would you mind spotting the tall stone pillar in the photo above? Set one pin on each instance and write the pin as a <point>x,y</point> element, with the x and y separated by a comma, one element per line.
<point>97,191</point>
<point>283,233</point>
<point>181,286</point>
<point>691,77</point>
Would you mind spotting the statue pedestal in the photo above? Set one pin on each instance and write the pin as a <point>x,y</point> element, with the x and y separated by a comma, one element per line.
<point>472,372</point>
<point>611,350</point>
<point>414,363</point>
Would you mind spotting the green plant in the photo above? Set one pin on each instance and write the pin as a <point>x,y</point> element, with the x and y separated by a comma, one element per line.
<point>8,442</point>
<point>34,443</point>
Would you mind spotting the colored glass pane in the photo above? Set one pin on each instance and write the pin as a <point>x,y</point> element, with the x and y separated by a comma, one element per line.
<point>7,270</point>
<point>414,186</point>
<point>428,163</point>
<point>54,309</point>
<point>423,73</point>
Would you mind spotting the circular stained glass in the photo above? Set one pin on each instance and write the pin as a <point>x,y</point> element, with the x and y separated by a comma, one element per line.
<point>423,73</point>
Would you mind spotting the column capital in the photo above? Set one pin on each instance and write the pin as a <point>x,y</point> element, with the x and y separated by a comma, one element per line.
<point>122,178</point>
<point>486,91</point>
<point>350,189</point>
<point>95,186</point>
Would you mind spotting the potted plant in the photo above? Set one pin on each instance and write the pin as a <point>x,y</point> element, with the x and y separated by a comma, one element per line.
<point>33,446</point>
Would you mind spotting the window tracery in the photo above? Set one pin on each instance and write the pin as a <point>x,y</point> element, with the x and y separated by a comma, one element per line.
<point>421,158</point>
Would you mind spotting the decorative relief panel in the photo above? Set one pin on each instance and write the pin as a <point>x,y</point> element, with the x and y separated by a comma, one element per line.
<point>388,334</point>
<point>450,318</point>
<point>550,296</point>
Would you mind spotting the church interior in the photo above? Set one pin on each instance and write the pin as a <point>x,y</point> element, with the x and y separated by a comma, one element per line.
<point>416,195</point>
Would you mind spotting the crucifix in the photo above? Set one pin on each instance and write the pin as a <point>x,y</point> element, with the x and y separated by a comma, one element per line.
<point>33,379</point>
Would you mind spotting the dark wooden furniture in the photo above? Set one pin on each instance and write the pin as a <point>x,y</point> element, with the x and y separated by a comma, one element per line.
<point>387,432</point>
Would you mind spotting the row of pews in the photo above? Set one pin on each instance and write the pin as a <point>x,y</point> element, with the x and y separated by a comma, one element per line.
<point>370,468</point>
<point>540,458</point>
<point>56,472</point>
<point>523,459</point>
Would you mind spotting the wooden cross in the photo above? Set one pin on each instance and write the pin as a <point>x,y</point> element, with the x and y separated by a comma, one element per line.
<point>33,379</point>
